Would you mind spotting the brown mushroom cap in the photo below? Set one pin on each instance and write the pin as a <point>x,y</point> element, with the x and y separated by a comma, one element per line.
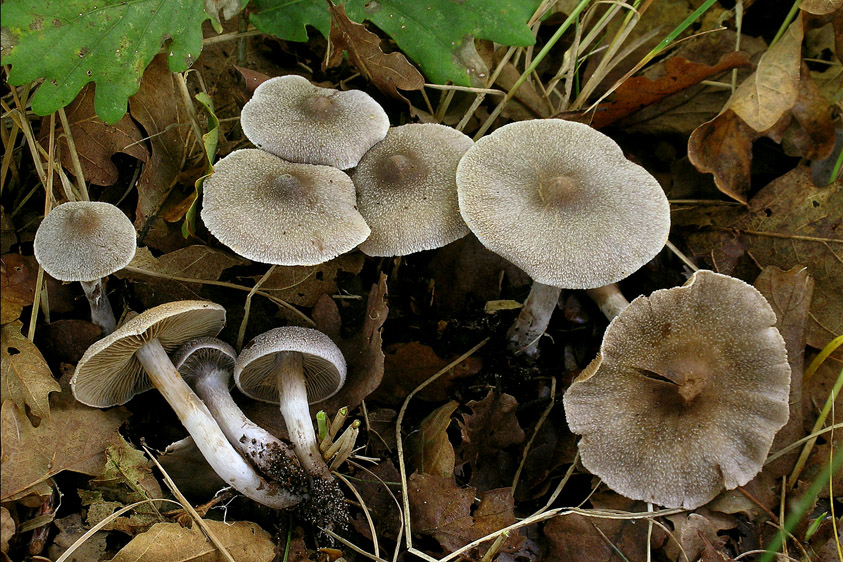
<point>109,374</point>
<point>686,395</point>
<point>273,211</point>
<point>407,191</point>
<point>323,364</point>
<point>300,122</point>
<point>85,241</point>
<point>559,200</point>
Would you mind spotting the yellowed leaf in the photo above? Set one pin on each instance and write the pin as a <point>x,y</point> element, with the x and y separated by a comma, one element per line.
<point>170,542</point>
<point>430,449</point>
<point>772,89</point>
<point>26,378</point>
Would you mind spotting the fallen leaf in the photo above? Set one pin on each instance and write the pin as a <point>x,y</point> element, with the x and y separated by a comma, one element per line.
<point>8,236</point>
<point>26,378</point>
<point>553,446</point>
<point>389,72</point>
<point>65,341</point>
<point>170,542</point>
<point>762,99</point>
<point>789,222</point>
<point>489,434</point>
<point>679,74</point>
<point>17,285</point>
<point>407,365</point>
<point>7,529</point>
<point>820,7</point>
<point>429,449</point>
<point>691,531</point>
<point>381,490</point>
<point>253,78</point>
<point>185,464</point>
<point>811,131</point>
<point>303,285</point>
<point>789,293</point>
<point>71,529</point>
<point>158,107</point>
<point>73,438</point>
<point>95,141</point>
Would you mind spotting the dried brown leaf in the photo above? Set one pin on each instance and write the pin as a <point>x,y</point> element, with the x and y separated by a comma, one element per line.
<point>763,98</point>
<point>429,449</point>
<point>7,529</point>
<point>18,275</point>
<point>811,132</point>
<point>8,236</point>
<point>820,7</point>
<point>170,542</point>
<point>253,78</point>
<point>302,285</point>
<point>389,72</point>
<point>26,378</point>
<point>65,341</point>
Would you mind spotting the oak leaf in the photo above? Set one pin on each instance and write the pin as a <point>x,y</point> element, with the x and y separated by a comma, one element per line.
<point>26,378</point>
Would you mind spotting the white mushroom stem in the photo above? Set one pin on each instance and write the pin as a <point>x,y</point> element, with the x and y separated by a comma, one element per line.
<point>209,438</point>
<point>533,320</point>
<point>101,313</point>
<point>292,392</point>
<point>609,299</point>
<point>259,445</point>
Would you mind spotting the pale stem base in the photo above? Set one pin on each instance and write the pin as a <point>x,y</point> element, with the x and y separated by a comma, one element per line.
<point>609,299</point>
<point>533,319</point>
<point>101,313</point>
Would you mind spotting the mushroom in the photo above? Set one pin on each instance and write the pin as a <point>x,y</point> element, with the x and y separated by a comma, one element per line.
<point>292,367</point>
<point>206,364</point>
<point>689,388</point>
<point>85,241</point>
<point>272,211</point>
<point>407,192</point>
<point>300,122</point>
<point>559,200</point>
<point>134,359</point>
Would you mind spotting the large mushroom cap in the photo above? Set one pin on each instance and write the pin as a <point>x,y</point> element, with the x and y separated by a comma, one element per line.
<point>85,241</point>
<point>686,395</point>
<point>273,211</point>
<point>559,200</point>
<point>407,191</point>
<point>300,122</point>
<point>109,374</point>
<point>322,362</point>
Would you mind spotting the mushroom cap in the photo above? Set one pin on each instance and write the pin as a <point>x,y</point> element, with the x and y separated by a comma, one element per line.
<point>559,200</point>
<point>195,357</point>
<point>300,122</point>
<point>273,211</point>
<point>689,388</point>
<point>85,241</point>
<point>322,363</point>
<point>407,191</point>
<point>109,374</point>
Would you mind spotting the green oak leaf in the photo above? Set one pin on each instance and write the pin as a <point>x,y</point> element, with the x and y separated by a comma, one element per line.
<point>437,34</point>
<point>69,43</point>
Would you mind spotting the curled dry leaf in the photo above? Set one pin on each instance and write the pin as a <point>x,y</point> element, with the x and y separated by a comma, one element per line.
<point>302,285</point>
<point>253,78</point>
<point>389,72</point>
<point>811,131</point>
<point>430,450</point>
<point>7,529</point>
<point>17,285</point>
<point>26,378</point>
<point>820,7</point>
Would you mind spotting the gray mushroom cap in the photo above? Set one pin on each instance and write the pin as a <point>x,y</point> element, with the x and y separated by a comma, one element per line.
<point>559,200</point>
<point>322,362</point>
<point>300,122</point>
<point>109,374</point>
<point>273,211</point>
<point>85,241</point>
<point>689,388</point>
<point>407,191</point>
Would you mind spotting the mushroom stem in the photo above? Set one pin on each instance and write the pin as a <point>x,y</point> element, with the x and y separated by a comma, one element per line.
<point>609,299</point>
<point>533,319</point>
<point>101,313</point>
<point>292,392</point>
<point>209,438</point>
<point>271,456</point>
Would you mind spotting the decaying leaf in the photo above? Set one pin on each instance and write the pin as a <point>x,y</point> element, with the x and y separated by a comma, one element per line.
<point>811,131</point>
<point>170,542</point>
<point>253,78</point>
<point>692,530</point>
<point>65,341</point>
<point>302,285</point>
<point>26,378</point>
<point>71,529</point>
<point>73,438</point>
<point>96,142</point>
<point>389,72</point>
<point>488,435</point>
<point>821,6</point>
<point>7,529</point>
<point>17,285</point>
<point>380,500</point>
<point>429,449</point>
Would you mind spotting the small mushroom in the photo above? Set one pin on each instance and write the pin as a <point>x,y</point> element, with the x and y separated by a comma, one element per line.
<point>689,388</point>
<point>407,191</point>
<point>272,211</point>
<point>293,367</point>
<point>85,241</point>
<point>134,359</point>
<point>300,122</point>
<point>559,200</point>
<point>206,364</point>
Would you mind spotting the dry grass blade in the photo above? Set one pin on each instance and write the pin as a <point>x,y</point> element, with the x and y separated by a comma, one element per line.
<point>366,513</point>
<point>535,433</point>
<point>247,307</point>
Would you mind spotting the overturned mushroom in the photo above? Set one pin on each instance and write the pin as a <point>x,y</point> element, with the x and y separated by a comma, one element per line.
<point>134,359</point>
<point>206,364</point>
<point>297,121</point>
<point>689,388</point>
<point>85,241</point>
